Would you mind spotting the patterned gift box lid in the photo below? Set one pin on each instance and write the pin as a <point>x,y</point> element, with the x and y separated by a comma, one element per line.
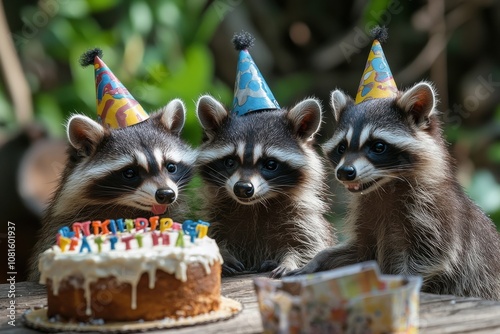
<point>352,299</point>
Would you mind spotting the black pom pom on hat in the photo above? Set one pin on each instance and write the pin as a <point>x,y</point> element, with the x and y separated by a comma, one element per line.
<point>243,41</point>
<point>88,57</point>
<point>380,33</point>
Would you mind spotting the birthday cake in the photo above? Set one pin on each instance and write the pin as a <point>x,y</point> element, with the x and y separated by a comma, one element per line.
<point>131,269</point>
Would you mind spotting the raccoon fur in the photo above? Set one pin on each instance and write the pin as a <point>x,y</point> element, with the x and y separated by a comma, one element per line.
<point>137,171</point>
<point>408,211</point>
<point>264,186</point>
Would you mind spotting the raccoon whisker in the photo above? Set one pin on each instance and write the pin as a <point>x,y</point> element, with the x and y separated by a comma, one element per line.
<point>122,187</point>
<point>223,177</point>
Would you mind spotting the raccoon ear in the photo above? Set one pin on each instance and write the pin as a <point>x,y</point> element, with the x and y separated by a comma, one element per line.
<point>339,101</point>
<point>306,118</point>
<point>173,116</point>
<point>84,134</point>
<point>419,102</point>
<point>211,113</point>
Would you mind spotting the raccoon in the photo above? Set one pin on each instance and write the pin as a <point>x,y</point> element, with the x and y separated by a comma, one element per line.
<point>408,211</point>
<point>264,188</point>
<point>136,171</point>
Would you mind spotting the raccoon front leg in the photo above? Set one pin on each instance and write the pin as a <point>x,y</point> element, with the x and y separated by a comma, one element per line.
<point>231,265</point>
<point>330,258</point>
<point>292,260</point>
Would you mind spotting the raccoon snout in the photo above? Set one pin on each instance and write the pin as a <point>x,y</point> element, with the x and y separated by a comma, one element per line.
<point>165,196</point>
<point>243,189</point>
<point>346,173</point>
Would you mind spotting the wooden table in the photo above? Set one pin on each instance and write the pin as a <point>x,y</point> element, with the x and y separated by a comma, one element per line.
<point>438,314</point>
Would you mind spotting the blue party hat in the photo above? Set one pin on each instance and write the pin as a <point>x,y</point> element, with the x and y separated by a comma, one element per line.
<point>251,92</point>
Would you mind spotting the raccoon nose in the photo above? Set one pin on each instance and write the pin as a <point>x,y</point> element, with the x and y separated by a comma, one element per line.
<point>243,189</point>
<point>346,173</point>
<point>165,196</point>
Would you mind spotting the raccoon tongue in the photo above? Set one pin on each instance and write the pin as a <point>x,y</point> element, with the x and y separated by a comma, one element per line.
<point>158,209</point>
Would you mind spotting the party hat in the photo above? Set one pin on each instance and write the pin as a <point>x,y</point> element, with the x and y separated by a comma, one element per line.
<point>251,92</point>
<point>116,107</point>
<point>377,81</point>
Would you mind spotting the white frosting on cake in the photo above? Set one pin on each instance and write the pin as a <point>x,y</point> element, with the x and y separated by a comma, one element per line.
<point>126,266</point>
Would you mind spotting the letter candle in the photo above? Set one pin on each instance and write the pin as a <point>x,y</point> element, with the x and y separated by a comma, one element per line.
<point>84,227</point>
<point>127,241</point>
<point>129,225</point>
<point>119,222</point>
<point>104,226</point>
<point>165,223</point>
<point>141,224</point>
<point>180,239</point>
<point>112,225</point>
<point>65,232</point>
<point>73,244</point>
<point>98,240</point>
<point>113,240</point>
<point>154,222</point>
<point>165,238</point>
<point>85,245</point>
<point>96,224</point>
<point>202,229</point>
<point>138,237</point>
<point>63,243</point>
<point>189,227</point>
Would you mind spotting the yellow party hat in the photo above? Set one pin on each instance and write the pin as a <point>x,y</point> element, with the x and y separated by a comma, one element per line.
<point>116,107</point>
<point>377,81</point>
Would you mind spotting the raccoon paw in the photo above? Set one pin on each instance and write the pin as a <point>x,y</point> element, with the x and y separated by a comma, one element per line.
<point>309,268</point>
<point>232,267</point>
<point>267,265</point>
<point>279,272</point>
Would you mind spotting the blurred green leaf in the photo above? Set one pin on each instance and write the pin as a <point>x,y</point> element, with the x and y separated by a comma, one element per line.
<point>49,114</point>
<point>100,5</point>
<point>77,8</point>
<point>141,17</point>
<point>485,191</point>
<point>168,13</point>
<point>494,152</point>
<point>374,10</point>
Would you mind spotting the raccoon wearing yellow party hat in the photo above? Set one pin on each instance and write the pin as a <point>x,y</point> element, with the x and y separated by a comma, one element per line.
<point>407,209</point>
<point>127,164</point>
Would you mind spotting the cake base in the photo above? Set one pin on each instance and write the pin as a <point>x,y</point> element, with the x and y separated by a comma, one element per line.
<point>112,300</point>
<point>38,319</point>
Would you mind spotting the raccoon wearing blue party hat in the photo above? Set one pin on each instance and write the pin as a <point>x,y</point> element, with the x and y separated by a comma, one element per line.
<point>263,182</point>
<point>407,209</point>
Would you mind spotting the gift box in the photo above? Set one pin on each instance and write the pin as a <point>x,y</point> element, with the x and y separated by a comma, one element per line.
<point>352,299</point>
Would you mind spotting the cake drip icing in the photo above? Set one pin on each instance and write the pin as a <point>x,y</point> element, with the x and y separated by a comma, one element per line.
<point>126,265</point>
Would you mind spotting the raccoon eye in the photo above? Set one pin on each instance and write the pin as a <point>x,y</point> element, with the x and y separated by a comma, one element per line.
<point>341,148</point>
<point>171,168</point>
<point>229,163</point>
<point>129,173</point>
<point>379,147</point>
<point>271,165</point>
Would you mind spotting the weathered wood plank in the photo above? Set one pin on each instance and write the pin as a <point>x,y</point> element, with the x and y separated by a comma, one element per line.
<point>438,314</point>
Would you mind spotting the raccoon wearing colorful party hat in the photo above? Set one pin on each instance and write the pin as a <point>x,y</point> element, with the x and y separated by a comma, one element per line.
<point>263,182</point>
<point>127,164</point>
<point>407,209</point>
